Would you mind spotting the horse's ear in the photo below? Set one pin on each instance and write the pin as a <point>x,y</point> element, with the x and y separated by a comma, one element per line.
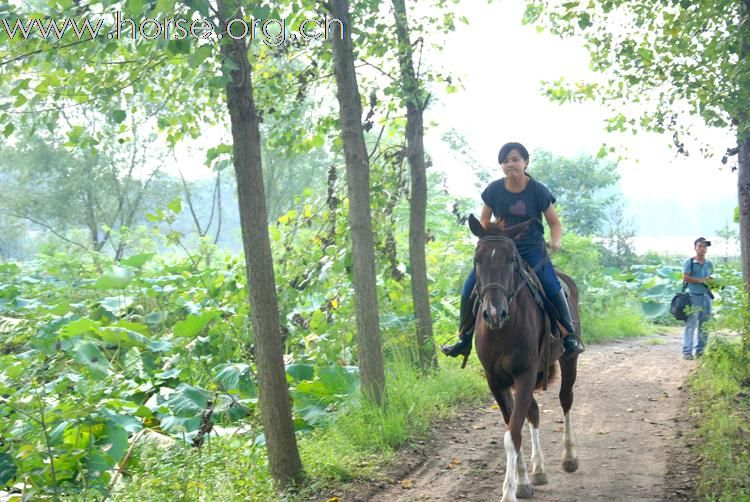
<point>476,227</point>
<point>517,231</point>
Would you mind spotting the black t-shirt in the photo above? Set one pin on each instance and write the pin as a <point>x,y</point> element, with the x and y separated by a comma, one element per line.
<point>515,208</point>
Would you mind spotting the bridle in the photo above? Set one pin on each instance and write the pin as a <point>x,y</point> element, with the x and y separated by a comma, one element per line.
<point>509,294</point>
<point>518,271</point>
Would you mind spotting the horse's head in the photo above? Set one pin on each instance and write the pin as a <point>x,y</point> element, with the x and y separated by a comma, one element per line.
<point>497,264</point>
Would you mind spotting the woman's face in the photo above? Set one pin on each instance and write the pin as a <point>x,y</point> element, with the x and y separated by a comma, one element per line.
<point>514,165</point>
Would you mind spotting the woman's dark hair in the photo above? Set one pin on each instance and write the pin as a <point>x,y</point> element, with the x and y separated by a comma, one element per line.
<point>509,147</point>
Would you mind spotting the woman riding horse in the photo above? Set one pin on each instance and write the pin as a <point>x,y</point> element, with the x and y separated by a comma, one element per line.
<point>514,199</point>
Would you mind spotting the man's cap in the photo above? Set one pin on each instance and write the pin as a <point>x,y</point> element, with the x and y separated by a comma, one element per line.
<point>703,240</point>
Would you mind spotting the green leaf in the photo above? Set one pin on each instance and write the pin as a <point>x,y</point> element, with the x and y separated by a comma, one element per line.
<point>8,468</point>
<point>318,322</point>
<point>134,7</point>
<point>138,260</point>
<point>8,130</point>
<point>79,327</point>
<point>653,310</point>
<point>116,305</point>
<point>115,440</point>
<point>115,278</point>
<point>199,55</point>
<point>156,318</point>
<point>187,401</point>
<point>300,371</point>
<point>125,422</point>
<point>338,379</point>
<point>194,324</point>
<point>133,326</point>
<point>228,375</point>
<point>177,425</point>
<point>175,205</point>
<point>657,291</point>
<point>160,346</point>
<point>124,337</point>
<point>88,354</point>
<point>118,116</point>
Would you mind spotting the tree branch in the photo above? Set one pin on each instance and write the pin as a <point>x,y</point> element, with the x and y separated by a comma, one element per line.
<point>48,227</point>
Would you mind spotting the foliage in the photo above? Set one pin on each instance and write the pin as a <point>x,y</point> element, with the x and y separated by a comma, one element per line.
<point>609,305</point>
<point>618,243</point>
<point>668,57</point>
<point>158,343</point>
<point>88,201</point>
<point>353,446</point>
<point>584,187</point>
<point>721,407</point>
<point>720,400</point>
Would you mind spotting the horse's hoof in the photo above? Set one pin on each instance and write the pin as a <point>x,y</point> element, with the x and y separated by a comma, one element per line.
<point>524,491</point>
<point>570,465</point>
<point>539,479</point>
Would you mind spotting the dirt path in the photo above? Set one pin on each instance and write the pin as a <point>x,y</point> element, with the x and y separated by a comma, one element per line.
<point>628,420</point>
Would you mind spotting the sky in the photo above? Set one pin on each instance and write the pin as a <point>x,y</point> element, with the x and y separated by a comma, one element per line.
<point>502,63</point>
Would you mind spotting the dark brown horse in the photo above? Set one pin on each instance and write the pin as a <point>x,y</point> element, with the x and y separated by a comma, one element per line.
<point>511,345</point>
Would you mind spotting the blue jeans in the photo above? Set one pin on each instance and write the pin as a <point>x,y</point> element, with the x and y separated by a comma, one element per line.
<point>694,325</point>
<point>546,273</point>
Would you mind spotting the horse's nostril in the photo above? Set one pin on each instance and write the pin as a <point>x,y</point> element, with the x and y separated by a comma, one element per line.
<point>485,315</point>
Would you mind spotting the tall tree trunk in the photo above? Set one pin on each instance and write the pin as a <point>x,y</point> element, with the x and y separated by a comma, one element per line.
<point>743,192</point>
<point>275,402</point>
<point>372,373</point>
<point>415,104</point>
<point>743,155</point>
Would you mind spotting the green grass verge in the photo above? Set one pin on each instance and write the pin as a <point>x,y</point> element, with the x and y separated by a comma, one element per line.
<point>356,445</point>
<point>720,401</point>
<point>618,320</point>
<point>366,437</point>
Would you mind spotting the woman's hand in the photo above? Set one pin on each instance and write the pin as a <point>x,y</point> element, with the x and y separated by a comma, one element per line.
<point>554,245</point>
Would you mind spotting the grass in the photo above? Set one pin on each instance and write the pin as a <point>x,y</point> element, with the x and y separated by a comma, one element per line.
<point>367,437</point>
<point>617,320</point>
<point>720,401</point>
<point>654,341</point>
<point>354,446</point>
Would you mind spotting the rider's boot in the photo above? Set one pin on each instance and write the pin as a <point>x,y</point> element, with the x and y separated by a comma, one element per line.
<point>465,335</point>
<point>571,343</point>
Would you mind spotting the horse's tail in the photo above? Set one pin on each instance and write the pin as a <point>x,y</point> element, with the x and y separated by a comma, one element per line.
<point>552,373</point>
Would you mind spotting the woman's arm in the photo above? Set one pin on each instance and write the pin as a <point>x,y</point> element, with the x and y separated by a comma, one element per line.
<point>555,227</point>
<point>484,218</point>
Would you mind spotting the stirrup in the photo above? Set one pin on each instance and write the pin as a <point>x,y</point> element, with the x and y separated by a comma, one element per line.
<point>573,347</point>
<point>460,348</point>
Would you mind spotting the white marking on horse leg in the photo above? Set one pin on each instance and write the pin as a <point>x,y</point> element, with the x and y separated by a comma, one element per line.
<point>511,457</point>
<point>570,458</point>
<point>538,476</point>
<point>525,489</point>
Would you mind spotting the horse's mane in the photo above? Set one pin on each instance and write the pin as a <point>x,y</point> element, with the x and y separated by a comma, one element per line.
<point>513,232</point>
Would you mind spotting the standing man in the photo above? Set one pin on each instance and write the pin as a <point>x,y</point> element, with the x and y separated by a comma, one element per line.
<point>696,271</point>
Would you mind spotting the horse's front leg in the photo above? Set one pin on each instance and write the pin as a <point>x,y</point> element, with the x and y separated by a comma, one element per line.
<point>511,487</point>
<point>538,474</point>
